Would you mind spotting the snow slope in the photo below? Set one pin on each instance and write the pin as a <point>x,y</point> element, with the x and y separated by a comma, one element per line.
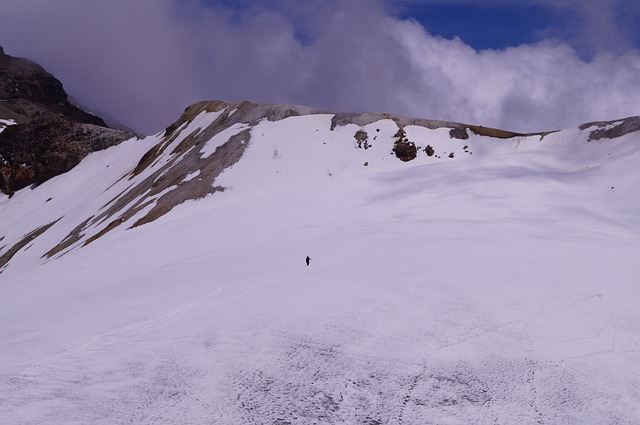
<point>5,123</point>
<point>496,287</point>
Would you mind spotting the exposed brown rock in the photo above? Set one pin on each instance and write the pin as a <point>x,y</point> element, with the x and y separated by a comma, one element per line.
<point>404,149</point>
<point>362,139</point>
<point>45,148</point>
<point>167,186</point>
<point>429,150</point>
<point>51,135</point>
<point>28,90</point>
<point>612,129</point>
<point>8,254</point>
<point>363,119</point>
<point>459,133</point>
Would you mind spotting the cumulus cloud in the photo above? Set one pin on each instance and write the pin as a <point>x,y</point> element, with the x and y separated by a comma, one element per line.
<point>524,88</point>
<point>144,61</point>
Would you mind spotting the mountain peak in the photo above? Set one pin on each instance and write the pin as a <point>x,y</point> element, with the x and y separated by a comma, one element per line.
<point>48,135</point>
<point>29,91</point>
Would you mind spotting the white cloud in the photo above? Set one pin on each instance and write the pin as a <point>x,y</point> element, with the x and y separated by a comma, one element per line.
<point>527,88</point>
<point>145,61</point>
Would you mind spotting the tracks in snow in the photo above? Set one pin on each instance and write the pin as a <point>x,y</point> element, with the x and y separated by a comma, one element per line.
<point>220,295</point>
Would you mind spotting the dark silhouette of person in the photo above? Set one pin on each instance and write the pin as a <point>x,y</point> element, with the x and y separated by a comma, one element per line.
<point>308,260</point>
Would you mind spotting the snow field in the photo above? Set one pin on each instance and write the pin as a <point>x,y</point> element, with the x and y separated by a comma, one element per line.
<point>492,288</point>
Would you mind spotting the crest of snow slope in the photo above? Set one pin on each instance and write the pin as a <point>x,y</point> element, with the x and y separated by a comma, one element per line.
<point>497,287</point>
<point>5,123</point>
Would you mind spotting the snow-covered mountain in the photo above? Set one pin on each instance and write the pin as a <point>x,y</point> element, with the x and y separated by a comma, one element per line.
<point>459,274</point>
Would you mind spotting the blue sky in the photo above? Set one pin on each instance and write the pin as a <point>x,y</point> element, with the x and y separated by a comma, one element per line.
<point>589,26</point>
<point>485,26</point>
<point>501,24</point>
<point>523,65</point>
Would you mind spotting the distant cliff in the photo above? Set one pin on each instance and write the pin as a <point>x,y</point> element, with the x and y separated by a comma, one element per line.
<point>42,134</point>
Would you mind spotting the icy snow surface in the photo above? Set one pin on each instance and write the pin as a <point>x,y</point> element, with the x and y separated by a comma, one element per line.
<point>6,123</point>
<point>493,288</point>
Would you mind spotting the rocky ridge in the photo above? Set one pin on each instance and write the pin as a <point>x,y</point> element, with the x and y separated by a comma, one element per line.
<point>41,133</point>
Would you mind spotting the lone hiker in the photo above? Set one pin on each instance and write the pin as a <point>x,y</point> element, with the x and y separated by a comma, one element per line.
<point>308,260</point>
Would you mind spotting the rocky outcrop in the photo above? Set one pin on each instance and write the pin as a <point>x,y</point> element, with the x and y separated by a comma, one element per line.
<point>29,91</point>
<point>404,149</point>
<point>612,129</point>
<point>51,135</point>
<point>362,139</point>
<point>457,130</point>
<point>168,185</point>
<point>44,148</point>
